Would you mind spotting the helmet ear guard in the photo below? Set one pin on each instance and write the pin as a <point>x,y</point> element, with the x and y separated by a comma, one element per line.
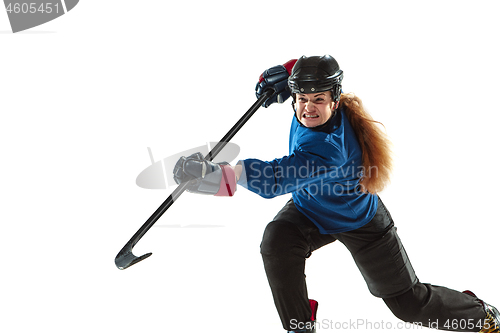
<point>336,92</point>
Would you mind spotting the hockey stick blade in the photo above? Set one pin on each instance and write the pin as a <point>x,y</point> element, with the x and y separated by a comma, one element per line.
<point>125,258</point>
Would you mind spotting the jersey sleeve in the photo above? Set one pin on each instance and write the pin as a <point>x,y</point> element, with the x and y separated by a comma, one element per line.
<point>309,164</point>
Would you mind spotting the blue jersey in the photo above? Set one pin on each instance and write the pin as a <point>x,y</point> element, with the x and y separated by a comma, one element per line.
<point>322,171</point>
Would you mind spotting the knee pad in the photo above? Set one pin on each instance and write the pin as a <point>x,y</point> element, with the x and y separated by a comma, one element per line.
<point>283,237</point>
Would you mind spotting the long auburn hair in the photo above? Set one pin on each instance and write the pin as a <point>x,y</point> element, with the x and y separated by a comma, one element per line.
<point>374,143</point>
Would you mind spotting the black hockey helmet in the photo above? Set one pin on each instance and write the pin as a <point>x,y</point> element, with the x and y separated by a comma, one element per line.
<point>316,74</point>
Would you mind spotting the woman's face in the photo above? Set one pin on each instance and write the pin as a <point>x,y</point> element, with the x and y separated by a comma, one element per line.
<point>314,109</point>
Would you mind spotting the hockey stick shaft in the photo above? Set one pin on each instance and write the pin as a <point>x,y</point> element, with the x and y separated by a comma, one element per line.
<point>125,257</point>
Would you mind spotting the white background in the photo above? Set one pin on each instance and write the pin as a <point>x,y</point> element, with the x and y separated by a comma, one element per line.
<point>83,96</point>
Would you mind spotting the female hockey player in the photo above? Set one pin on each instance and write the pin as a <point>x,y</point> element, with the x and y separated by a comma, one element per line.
<point>338,161</point>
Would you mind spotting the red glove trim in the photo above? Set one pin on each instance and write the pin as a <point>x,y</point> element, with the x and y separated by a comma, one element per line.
<point>227,182</point>
<point>289,65</point>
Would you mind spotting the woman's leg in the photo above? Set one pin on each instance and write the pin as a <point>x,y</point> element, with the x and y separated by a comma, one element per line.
<point>288,240</point>
<point>439,307</point>
<point>380,255</point>
<point>383,262</point>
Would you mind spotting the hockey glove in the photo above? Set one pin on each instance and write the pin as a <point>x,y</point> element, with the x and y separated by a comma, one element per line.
<point>276,78</point>
<point>205,177</point>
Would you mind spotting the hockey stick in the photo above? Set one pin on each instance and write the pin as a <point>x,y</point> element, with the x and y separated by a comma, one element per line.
<point>125,257</point>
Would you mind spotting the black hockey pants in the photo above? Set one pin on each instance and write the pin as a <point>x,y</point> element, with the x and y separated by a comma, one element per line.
<point>377,250</point>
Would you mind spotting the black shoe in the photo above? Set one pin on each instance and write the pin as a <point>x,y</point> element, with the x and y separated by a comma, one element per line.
<point>492,320</point>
